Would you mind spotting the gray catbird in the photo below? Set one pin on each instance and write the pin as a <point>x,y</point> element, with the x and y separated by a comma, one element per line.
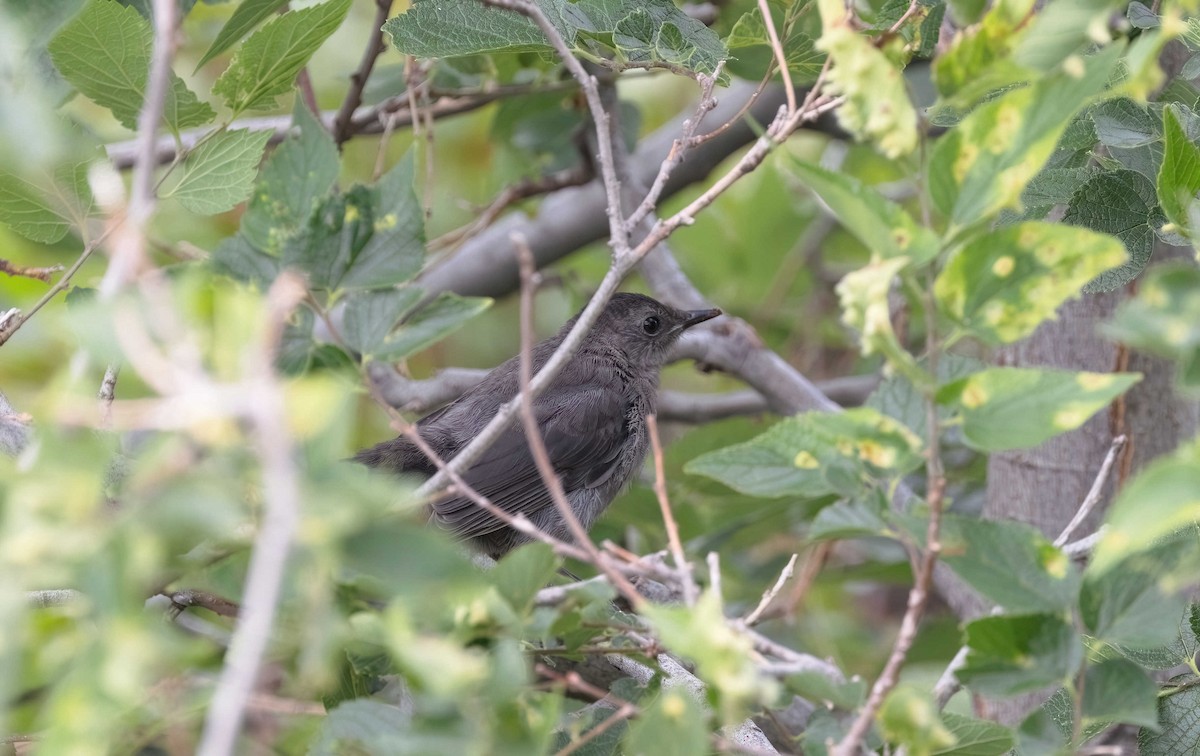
<point>592,417</point>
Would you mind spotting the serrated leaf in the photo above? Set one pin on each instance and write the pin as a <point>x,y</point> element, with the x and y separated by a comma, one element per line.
<point>908,717</point>
<point>647,33</point>
<point>1179,176</point>
<point>104,52</point>
<point>247,16</point>
<point>1016,408</point>
<point>26,210</point>
<point>897,397</point>
<point>1163,498</point>
<point>1123,123</point>
<point>370,315</point>
<point>1164,318</point>
<point>883,227</point>
<point>220,173</point>
<point>1119,691</point>
<point>430,324</point>
<point>1177,729</point>
<point>975,737</point>
<point>1121,203</point>
<point>266,65</point>
<point>298,174</point>
<point>1008,562</point>
<point>1003,285</point>
<point>982,165</point>
<point>754,55</point>
<point>1010,655</point>
<point>815,454</point>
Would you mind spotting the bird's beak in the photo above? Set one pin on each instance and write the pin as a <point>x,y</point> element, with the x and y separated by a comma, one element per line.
<point>699,316</point>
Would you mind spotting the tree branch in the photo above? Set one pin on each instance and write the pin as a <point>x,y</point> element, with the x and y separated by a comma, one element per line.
<point>358,79</point>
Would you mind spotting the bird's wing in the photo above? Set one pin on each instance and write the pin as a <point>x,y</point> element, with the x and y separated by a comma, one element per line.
<point>584,428</point>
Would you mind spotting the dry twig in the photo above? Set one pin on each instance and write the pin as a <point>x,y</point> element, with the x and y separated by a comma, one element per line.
<point>690,591</point>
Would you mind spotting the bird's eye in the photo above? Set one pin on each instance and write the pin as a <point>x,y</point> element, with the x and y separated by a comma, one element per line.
<point>651,325</point>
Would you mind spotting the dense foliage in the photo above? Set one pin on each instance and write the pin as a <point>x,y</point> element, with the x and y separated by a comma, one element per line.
<point>239,290</point>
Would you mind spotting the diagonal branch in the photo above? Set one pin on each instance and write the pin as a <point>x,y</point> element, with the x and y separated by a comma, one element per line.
<point>358,79</point>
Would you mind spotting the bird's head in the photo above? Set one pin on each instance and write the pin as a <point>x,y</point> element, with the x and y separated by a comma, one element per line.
<point>645,328</point>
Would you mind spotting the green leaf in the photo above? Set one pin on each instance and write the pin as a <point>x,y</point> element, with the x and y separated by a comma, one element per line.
<point>363,724</point>
<point>1008,562</point>
<point>1121,203</point>
<point>815,454</point>
<point>220,173</point>
<point>883,227</point>
<point>856,518</point>
<point>1118,691</point>
<point>1003,285</point>
<point>814,687</point>
<point>1125,124</point>
<point>523,573</point>
<point>267,64</point>
<point>238,258</point>
<point>672,725</point>
<point>1056,32</point>
<point>877,107</point>
<point>395,250</point>
<point>1016,408</point>
<point>897,397</point>
<point>1163,498</point>
<point>430,324</point>
<point>371,315</point>
<point>1164,318</point>
<point>982,165</point>
<point>979,60</point>
<point>1179,176</point>
<point>753,55</point>
<point>651,33</point>
<point>975,737</point>
<point>908,717</point>
<point>1010,655</point>
<point>863,296</point>
<point>299,173</point>
<point>1137,605</point>
<point>1178,726</point>
<point>25,209</point>
<point>104,52</point>
<point>247,16</point>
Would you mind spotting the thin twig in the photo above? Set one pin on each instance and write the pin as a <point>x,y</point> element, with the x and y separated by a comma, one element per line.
<point>769,595</point>
<point>537,446</point>
<point>813,563</point>
<point>108,392</point>
<point>690,591</point>
<point>188,597</point>
<point>947,684</point>
<point>273,542</point>
<point>358,79</point>
<point>38,274</point>
<point>12,324</point>
<point>714,576</point>
<point>780,55</point>
<point>1093,495</point>
<point>1084,546</point>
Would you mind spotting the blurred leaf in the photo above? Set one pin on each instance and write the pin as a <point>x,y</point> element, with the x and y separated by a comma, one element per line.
<point>1008,562</point>
<point>395,249</point>
<point>237,258</point>
<point>1177,728</point>
<point>1010,655</point>
<point>1017,408</point>
<point>752,54</point>
<point>979,60</point>
<point>431,323</point>
<point>814,686</point>
<point>104,52</point>
<point>909,718</point>
<point>1142,17</point>
<point>1054,33</point>
<point>877,107</point>
<point>26,210</point>
<point>1121,203</point>
<point>1118,691</point>
<point>1041,734</point>
<point>975,737</point>
<point>982,165</point>
<point>1003,285</point>
<point>883,227</point>
<point>672,725</point>
<point>1162,499</point>
<point>857,518</point>
<point>651,33</point>
<point>362,725</point>
<point>1179,177</point>
<point>1164,318</point>
<point>815,454</point>
<point>297,175</point>
<point>520,575</point>
<point>267,64</point>
<point>219,173</point>
<point>247,15</point>
<point>863,296</point>
<point>371,315</point>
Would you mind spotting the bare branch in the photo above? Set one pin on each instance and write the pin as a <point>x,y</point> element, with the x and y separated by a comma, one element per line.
<point>714,576</point>
<point>690,592</point>
<point>188,597</point>
<point>769,595</point>
<point>1093,495</point>
<point>38,274</point>
<point>947,684</point>
<point>777,50</point>
<point>358,80</point>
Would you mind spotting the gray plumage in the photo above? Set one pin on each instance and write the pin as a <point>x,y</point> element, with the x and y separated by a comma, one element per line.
<point>592,417</point>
